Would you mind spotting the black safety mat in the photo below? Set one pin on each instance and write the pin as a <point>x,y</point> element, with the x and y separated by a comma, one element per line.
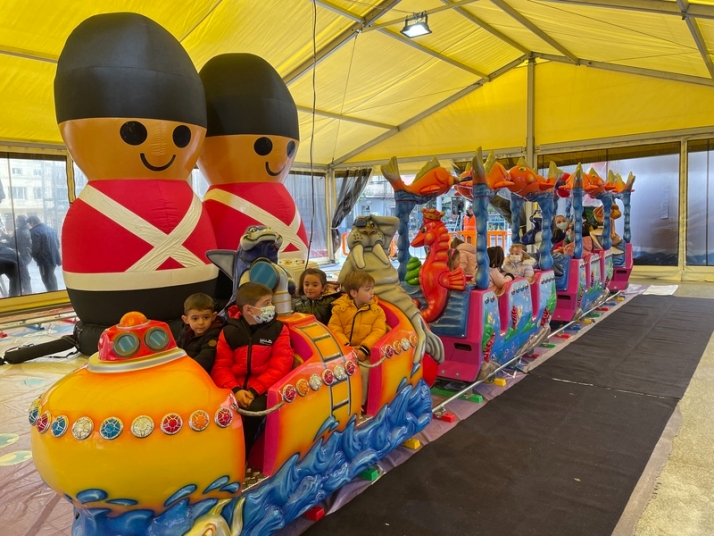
<point>546,458</point>
<point>651,345</point>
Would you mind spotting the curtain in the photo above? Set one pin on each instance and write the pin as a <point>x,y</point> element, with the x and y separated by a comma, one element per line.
<point>352,184</point>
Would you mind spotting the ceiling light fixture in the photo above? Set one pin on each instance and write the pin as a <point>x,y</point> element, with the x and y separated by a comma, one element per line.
<point>416,25</point>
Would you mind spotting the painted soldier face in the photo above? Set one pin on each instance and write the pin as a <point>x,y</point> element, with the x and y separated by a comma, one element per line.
<point>247,158</point>
<point>128,148</point>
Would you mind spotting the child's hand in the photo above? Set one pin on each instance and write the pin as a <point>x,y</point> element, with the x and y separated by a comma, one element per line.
<point>361,356</point>
<point>244,398</point>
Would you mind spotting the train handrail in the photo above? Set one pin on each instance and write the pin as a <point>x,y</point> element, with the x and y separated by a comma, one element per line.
<point>263,413</point>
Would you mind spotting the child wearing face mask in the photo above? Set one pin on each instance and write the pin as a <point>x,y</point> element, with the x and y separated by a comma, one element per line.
<point>253,353</point>
<point>519,263</point>
<point>561,225</point>
<point>315,295</point>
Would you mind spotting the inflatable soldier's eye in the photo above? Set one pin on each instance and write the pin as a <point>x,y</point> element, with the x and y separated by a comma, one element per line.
<point>133,133</point>
<point>182,135</point>
<point>126,344</point>
<point>263,146</point>
<point>156,338</point>
<point>291,148</point>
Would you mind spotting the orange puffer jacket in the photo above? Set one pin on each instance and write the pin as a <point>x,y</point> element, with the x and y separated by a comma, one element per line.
<point>357,327</point>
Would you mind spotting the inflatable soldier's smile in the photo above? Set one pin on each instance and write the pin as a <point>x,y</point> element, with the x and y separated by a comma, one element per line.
<point>159,168</point>
<point>263,147</point>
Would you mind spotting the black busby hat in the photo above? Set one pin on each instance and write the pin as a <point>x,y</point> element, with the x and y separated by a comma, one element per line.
<point>126,65</point>
<point>245,95</point>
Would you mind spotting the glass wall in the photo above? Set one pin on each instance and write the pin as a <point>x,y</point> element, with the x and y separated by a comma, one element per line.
<point>33,204</point>
<point>308,191</point>
<point>655,203</point>
<point>700,203</point>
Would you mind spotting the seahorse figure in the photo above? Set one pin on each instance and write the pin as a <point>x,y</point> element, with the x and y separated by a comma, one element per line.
<point>435,277</point>
<point>368,242</point>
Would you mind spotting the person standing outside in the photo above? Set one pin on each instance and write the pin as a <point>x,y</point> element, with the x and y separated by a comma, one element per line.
<point>470,226</point>
<point>45,251</point>
<point>23,244</point>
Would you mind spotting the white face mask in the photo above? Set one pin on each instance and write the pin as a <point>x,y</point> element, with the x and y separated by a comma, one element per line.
<point>562,226</point>
<point>266,314</point>
<point>516,258</point>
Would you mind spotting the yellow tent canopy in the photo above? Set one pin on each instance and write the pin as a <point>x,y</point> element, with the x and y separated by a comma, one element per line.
<point>581,69</point>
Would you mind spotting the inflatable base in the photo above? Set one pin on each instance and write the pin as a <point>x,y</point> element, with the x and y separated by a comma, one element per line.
<point>105,308</point>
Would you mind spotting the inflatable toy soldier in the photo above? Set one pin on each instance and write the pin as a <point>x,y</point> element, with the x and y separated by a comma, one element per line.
<point>251,142</point>
<point>131,109</point>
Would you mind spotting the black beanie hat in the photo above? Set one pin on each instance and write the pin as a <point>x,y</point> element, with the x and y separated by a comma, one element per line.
<point>245,95</point>
<point>126,65</point>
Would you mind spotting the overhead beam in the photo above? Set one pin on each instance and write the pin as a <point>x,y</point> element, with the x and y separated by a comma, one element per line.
<point>698,37</point>
<point>432,110</point>
<point>534,29</point>
<point>339,10</point>
<point>351,119</point>
<point>697,11</point>
<point>490,29</point>
<point>663,75</point>
<point>343,37</point>
<point>410,42</point>
<point>28,54</point>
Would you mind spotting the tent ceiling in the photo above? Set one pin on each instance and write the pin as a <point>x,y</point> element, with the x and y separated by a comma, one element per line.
<point>370,81</point>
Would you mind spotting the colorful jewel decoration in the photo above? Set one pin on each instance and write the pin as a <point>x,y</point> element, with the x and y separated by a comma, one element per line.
<point>60,426</point>
<point>223,417</point>
<point>340,372</point>
<point>413,340</point>
<point>289,393</point>
<point>111,428</point>
<point>397,348</point>
<point>389,351</point>
<point>328,377</point>
<point>315,382</point>
<point>34,411</point>
<point>43,422</point>
<point>199,420</point>
<point>171,423</point>
<point>142,426</point>
<point>82,428</point>
<point>405,344</point>
<point>302,387</point>
<point>350,367</point>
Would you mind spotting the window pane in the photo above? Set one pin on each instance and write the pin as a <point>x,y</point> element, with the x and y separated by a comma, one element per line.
<point>655,202</point>
<point>700,205</point>
<point>32,185</point>
<point>309,195</point>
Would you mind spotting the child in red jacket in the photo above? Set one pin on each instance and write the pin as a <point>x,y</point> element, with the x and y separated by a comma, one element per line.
<point>253,353</point>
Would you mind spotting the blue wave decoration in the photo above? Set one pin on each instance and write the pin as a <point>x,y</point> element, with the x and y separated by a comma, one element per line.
<point>452,323</point>
<point>296,487</point>
<point>300,484</point>
<point>221,481</point>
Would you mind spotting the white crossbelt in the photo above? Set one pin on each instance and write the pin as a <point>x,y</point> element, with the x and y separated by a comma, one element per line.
<point>288,232</point>
<point>165,246</point>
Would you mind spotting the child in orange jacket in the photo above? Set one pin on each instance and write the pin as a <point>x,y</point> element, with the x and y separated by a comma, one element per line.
<point>357,320</point>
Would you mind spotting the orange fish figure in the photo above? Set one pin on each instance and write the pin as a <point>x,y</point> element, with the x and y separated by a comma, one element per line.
<point>432,179</point>
<point>526,181</point>
<point>435,278</point>
<point>594,185</point>
<point>616,184</point>
<point>496,176</point>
